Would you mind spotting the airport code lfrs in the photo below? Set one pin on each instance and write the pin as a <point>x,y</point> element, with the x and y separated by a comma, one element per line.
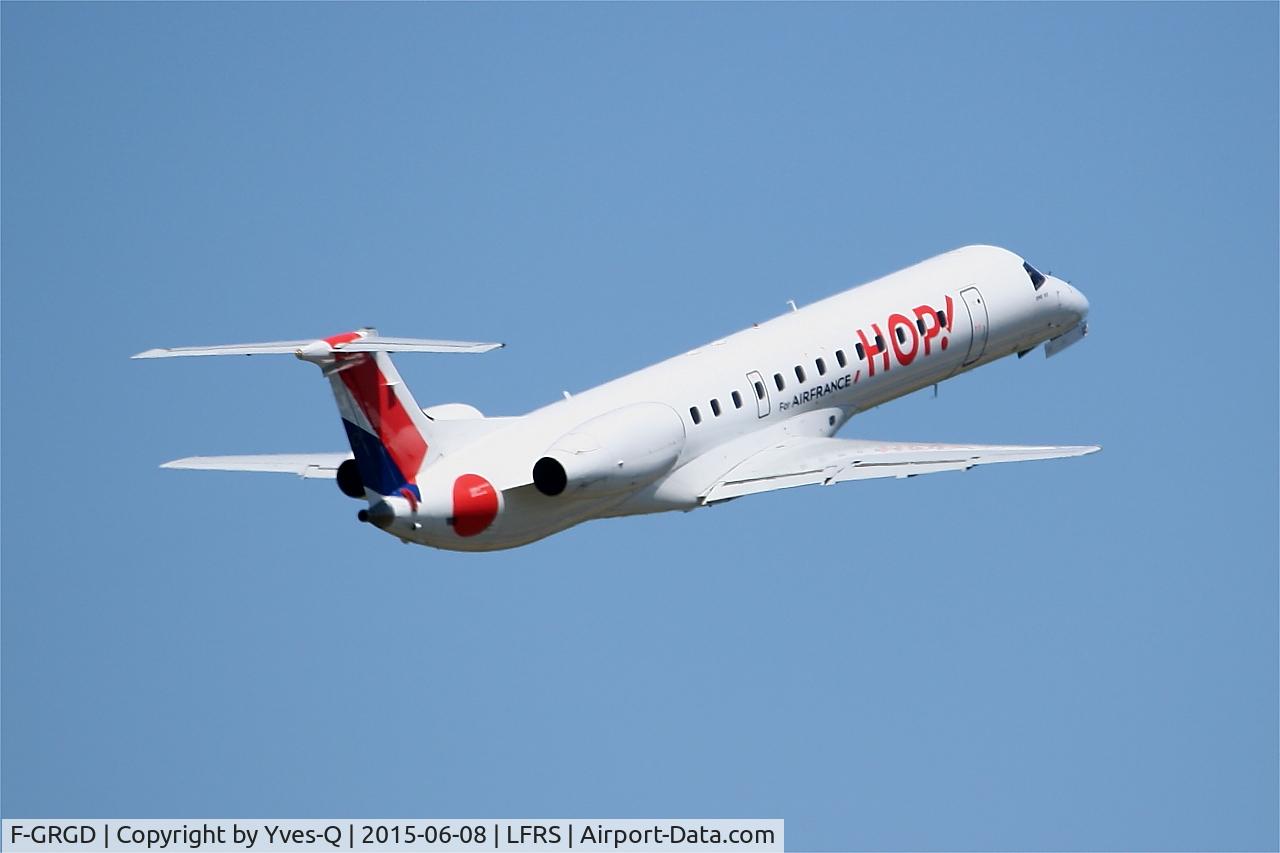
<point>282,836</point>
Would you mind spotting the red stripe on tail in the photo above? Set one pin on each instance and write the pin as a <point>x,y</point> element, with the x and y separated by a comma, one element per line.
<point>388,418</point>
<point>344,338</point>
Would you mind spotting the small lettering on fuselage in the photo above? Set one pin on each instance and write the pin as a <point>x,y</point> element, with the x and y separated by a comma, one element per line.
<point>816,392</point>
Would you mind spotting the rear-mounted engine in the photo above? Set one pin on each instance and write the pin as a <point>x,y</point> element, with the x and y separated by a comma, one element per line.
<point>620,450</point>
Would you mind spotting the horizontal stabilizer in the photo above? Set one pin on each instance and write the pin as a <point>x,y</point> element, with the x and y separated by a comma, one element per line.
<point>309,465</point>
<point>366,340</point>
<point>381,344</point>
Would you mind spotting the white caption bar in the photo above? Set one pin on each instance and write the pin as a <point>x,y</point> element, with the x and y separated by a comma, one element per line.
<point>410,835</point>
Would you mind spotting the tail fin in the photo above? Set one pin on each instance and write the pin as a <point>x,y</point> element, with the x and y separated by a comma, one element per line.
<point>390,437</point>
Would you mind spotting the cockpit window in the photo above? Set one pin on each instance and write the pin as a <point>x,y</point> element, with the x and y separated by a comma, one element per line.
<point>1037,280</point>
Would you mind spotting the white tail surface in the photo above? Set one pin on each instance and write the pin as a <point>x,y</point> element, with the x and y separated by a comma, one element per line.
<point>366,340</point>
<point>390,437</point>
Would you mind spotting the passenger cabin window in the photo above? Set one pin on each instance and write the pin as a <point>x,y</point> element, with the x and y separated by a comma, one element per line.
<point>759,390</point>
<point>879,342</point>
<point>715,408</point>
<point>799,373</point>
<point>942,318</point>
<point>920,324</point>
<point>861,352</point>
<point>822,367</point>
<point>902,336</point>
<point>840,359</point>
<point>695,414</point>
<point>777,380</point>
<point>737,400</point>
<point>1037,279</point>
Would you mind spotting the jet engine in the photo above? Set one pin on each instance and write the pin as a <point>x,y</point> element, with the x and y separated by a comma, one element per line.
<point>349,479</point>
<point>619,450</point>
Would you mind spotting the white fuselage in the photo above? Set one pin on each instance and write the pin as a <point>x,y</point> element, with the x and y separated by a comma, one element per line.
<point>804,373</point>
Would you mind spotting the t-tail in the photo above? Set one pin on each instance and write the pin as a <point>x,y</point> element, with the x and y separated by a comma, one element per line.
<point>391,439</point>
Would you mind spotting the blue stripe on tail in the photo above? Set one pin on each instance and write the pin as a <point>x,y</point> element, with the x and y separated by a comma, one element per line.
<point>377,469</point>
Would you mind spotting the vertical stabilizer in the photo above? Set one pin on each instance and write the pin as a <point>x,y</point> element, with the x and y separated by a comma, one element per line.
<point>389,436</point>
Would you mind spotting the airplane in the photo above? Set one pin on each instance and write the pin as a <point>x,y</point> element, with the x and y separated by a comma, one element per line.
<point>753,412</point>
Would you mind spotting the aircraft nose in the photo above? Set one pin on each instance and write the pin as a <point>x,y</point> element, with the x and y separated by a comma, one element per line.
<point>1073,301</point>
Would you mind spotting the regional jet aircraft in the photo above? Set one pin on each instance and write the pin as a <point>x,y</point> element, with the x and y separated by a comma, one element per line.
<point>753,412</point>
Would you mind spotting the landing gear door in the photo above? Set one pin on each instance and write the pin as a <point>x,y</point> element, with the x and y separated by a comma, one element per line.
<point>760,392</point>
<point>980,322</point>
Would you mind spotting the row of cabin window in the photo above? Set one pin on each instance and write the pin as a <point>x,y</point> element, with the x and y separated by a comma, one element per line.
<point>819,363</point>
<point>715,405</point>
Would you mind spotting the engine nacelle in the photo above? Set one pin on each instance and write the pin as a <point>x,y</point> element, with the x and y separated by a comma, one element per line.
<point>620,450</point>
<point>349,480</point>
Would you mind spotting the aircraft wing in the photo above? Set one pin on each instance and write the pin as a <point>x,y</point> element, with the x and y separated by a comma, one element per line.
<point>804,461</point>
<point>301,464</point>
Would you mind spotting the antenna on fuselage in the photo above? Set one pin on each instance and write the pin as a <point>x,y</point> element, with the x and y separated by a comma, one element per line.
<point>792,303</point>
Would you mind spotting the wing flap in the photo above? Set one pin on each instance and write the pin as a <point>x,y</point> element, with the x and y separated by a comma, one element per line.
<point>803,461</point>
<point>307,465</point>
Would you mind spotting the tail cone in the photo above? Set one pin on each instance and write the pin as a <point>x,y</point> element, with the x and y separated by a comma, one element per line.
<point>379,515</point>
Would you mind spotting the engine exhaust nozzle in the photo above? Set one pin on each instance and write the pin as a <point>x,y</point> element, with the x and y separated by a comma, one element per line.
<point>379,515</point>
<point>549,476</point>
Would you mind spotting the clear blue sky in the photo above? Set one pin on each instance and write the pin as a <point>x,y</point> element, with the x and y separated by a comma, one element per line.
<point>1056,655</point>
